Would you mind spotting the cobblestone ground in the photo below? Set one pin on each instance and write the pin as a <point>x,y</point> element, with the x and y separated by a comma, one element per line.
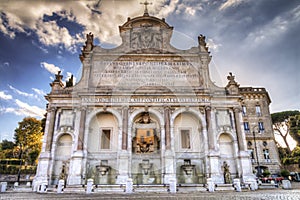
<point>277,194</point>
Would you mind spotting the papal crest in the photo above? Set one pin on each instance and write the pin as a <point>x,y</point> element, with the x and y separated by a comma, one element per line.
<point>145,38</point>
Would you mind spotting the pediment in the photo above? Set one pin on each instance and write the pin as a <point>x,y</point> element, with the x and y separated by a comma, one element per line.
<point>146,34</point>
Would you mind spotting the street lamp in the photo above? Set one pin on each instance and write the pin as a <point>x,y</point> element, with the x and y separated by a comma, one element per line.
<point>257,160</point>
<point>21,163</point>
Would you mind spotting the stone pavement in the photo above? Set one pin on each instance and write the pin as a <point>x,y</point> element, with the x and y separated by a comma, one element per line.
<point>273,194</point>
<point>276,194</point>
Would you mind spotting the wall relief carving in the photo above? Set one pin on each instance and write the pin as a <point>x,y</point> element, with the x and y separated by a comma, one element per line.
<point>146,37</point>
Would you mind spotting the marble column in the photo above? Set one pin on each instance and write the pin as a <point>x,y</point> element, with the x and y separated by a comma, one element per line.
<point>211,138</point>
<point>240,136</point>
<point>167,128</point>
<point>125,128</point>
<point>81,129</point>
<point>50,128</point>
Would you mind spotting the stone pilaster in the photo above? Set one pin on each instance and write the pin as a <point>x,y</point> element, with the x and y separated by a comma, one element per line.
<point>167,127</point>
<point>81,129</point>
<point>125,128</point>
<point>211,138</point>
<point>240,136</point>
<point>50,130</point>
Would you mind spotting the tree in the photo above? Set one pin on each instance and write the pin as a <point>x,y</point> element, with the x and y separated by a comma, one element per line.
<point>28,139</point>
<point>5,144</point>
<point>282,125</point>
<point>295,127</point>
<point>6,149</point>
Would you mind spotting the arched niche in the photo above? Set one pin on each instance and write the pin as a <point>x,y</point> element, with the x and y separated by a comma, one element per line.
<point>103,133</point>
<point>227,153</point>
<point>188,133</point>
<point>146,134</point>
<point>62,158</point>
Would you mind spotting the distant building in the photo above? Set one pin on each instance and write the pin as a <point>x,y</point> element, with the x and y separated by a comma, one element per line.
<point>148,111</point>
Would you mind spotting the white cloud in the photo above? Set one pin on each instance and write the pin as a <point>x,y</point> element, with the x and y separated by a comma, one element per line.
<point>6,64</point>
<point>102,20</point>
<point>5,96</point>
<point>212,45</point>
<point>29,110</point>
<point>230,3</point>
<point>38,91</point>
<point>50,34</point>
<point>23,109</point>
<point>271,31</point>
<point>20,92</point>
<point>50,67</point>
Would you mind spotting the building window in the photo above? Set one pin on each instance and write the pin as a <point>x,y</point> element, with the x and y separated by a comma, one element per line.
<point>105,138</point>
<point>249,143</point>
<point>244,110</point>
<point>185,139</point>
<point>266,154</point>
<point>246,127</point>
<point>261,127</point>
<point>258,110</point>
<point>251,153</point>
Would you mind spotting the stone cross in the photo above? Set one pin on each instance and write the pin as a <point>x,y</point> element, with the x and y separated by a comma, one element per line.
<point>146,3</point>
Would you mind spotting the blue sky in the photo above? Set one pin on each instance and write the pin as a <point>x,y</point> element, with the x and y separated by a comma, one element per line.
<point>257,40</point>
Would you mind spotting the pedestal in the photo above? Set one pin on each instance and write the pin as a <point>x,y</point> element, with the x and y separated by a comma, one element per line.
<point>129,186</point>
<point>286,184</point>
<point>237,184</point>
<point>172,186</point>
<point>60,186</point>
<point>3,186</point>
<point>89,186</point>
<point>210,185</point>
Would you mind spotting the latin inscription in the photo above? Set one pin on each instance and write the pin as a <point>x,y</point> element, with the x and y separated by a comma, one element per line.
<point>141,73</point>
<point>144,100</point>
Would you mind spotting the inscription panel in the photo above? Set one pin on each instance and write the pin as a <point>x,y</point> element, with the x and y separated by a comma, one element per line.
<point>135,74</point>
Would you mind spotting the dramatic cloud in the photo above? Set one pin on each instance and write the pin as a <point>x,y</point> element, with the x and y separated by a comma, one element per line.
<point>5,96</point>
<point>273,30</point>
<point>38,91</point>
<point>50,34</point>
<point>25,94</point>
<point>23,109</point>
<point>50,67</point>
<point>28,110</point>
<point>94,16</point>
<point>230,3</point>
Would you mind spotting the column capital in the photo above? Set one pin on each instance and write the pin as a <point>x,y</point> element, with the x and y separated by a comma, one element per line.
<point>51,109</point>
<point>237,109</point>
<point>83,108</point>
<point>207,108</point>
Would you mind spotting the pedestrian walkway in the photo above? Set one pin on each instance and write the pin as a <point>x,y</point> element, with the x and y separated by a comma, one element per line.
<point>277,194</point>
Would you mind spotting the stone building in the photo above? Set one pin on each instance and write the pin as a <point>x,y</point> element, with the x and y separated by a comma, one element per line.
<point>148,111</point>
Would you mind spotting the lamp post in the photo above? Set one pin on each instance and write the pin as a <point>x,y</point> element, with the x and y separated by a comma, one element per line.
<point>257,160</point>
<point>21,163</point>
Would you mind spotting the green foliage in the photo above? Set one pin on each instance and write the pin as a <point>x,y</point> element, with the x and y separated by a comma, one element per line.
<point>293,158</point>
<point>5,144</point>
<point>14,169</point>
<point>28,139</point>
<point>294,122</point>
<point>296,152</point>
<point>282,116</point>
<point>283,152</point>
<point>284,173</point>
<point>266,173</point>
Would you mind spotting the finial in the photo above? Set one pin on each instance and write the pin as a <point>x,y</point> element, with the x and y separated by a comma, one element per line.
<point>146,3</point>
<point>231,80</point>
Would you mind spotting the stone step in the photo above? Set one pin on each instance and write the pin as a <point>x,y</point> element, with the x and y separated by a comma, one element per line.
<point>267,186</point>
<point>224,187</point>
<point>74,189</point>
